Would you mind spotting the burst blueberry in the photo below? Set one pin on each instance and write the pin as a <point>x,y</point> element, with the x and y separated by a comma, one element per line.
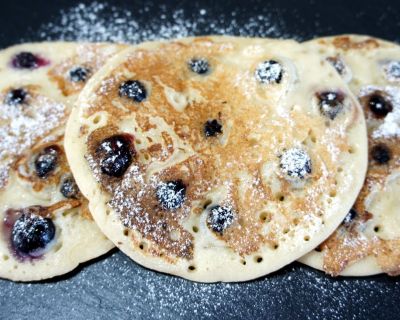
<point>31,234</point>
<point>134,90</point>
<point>212,128</point>
<point>220,218</point>
<point>381,153</point>
<point>46,161</point>
<point>199,66</point>
<point>171,194</point>
<point>115,154</point>
<point>269,71</point>
<point>379,105</point>
<point>330,103</point>
<point>16,97</point>
<point>27,60</point>
<point>79,74</point>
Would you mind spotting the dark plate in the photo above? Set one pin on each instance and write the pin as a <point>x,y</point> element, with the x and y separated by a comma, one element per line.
<point>115,287</point>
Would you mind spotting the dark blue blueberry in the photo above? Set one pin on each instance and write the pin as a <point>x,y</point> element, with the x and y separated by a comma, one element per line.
<point>379,106</point>
<point>31,234</point>
<point>46,161</point>
<point>269,71</point>
<point>212,128</point>
<point>350,217</point>
<point>133,89</point>
<point>115,154</point>
<point>171,194</point>
<point>27,60</point>
<point>199,66</point>
<point>381,153</point>
<point>220,218</point>
<point>79,74</point>
<point>295,163</point>
<point>16,96</point>
<point>69,188</point>
<point>330,103</point>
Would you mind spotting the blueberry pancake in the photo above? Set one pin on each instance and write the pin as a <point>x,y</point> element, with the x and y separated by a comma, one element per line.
<point>217,158</point>
<point>368,240</point>
<point>46,228</point>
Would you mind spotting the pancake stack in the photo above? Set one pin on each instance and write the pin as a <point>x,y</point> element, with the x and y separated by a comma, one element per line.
<point>210,158</point>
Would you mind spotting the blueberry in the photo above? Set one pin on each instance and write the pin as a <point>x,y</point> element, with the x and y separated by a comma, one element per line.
<point>16,96</point>
<point>212,128</point>
<point>392,70</point>
<point>269,71</point>
<point>46,161</point>
<point>133,89</point>
<point>220,218</point>
<point>199,66</point>
<point>69,188</point>
<point>349,217</point>
<point>381,153</point>
<point>31,234</point>
<point>26,60</point>
<point>171,194</point>
<point>79,74</point>
<point>295,163</point>
<point>330,103</point>
<point>115,155</point>
<point>379,106</point>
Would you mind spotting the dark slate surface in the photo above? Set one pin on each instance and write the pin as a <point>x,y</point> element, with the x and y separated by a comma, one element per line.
<point>116,288</point>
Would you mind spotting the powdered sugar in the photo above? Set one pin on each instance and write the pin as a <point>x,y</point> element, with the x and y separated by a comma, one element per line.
<point>104,22</point>
<point>390,128</point>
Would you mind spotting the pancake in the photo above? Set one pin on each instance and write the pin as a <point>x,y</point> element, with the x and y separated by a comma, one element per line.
<point>368,240</point>
<point>217,158</point>
<point>46,228</point>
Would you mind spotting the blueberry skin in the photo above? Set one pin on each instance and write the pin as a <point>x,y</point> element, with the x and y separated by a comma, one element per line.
<point>46,161</point>
<point>31,234</point>
<point>220,218</point>
<point>79,74</point>
<point>134,90</point>
<point>269,71</point>
<point>199,66</point>
<point>379,106</point>
<point>115,155</point>
<point>330,103</point>
<point>171,194</point>
<point>349,217</point>
<point>69,188</point>
<point>26,60</point>
<point>212,128</point>
<point>381,153</point>
<point>16,97</point>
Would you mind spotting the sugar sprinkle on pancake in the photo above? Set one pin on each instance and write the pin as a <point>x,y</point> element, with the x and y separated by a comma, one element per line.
<point>368,240</point>
<point>222,169</point>
<point>46,228</point>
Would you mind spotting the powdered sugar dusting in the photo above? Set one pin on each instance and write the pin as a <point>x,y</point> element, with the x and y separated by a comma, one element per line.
<point>104,22</point>
<point>390,128</point>
<point>22,125</point>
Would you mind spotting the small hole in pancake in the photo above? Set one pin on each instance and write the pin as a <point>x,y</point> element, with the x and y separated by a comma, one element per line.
<point>333,193</point>
<point>377,228</point>
<point>5,257</point>
<point>280,197</point>
<point>285,231</point>
<point>352,149</point>
<point>138,141</point>
<point>243,262</point>
<point>65,213</point>
<point>258,259</point>
<point>142,246</point>
<point>265,217</point>
<point>327,124</point>
<point>96,119</point>
<point>15,267</point>
<point>174,235</point>
<point>295,221</point>
<point>126,232</point>
<point>339,169</point>
<point>146,156</point>
<point>58,247</point>
<point>108,211</point>
<point>307,238</point>
<point>276,246</point>
<point>192,268</point>
<point>329,200</point>
<point>195,229</point>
